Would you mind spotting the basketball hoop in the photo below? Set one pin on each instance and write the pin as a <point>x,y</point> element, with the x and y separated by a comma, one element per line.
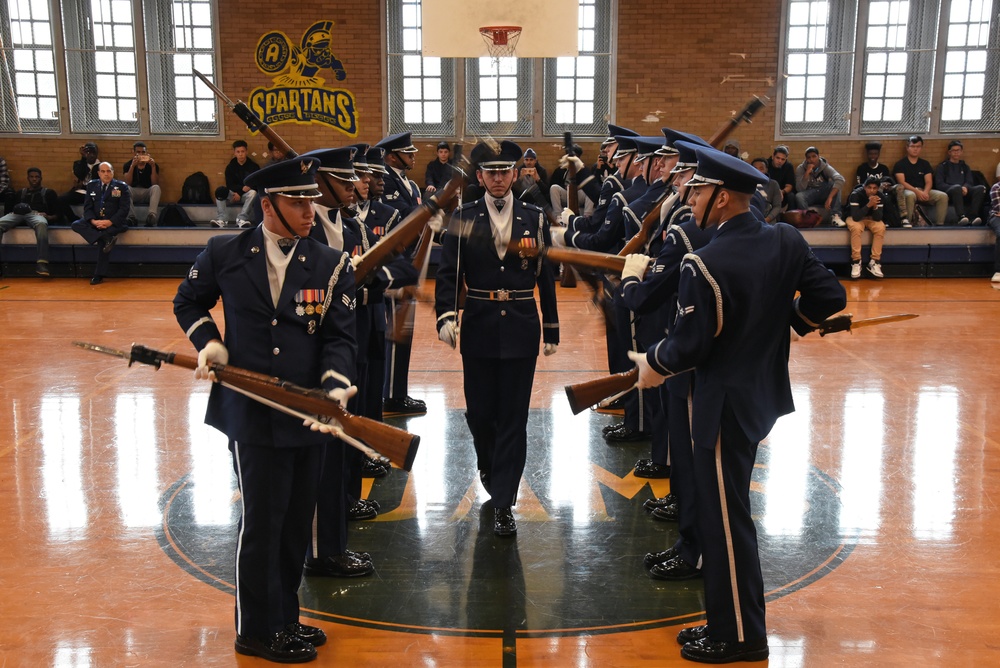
<point>501,40</point>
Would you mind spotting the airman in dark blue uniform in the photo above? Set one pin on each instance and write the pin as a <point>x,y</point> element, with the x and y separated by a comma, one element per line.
<point>105,215</point>
<point>288,304</point>
<point>736,300</point>
<point>500,328</point>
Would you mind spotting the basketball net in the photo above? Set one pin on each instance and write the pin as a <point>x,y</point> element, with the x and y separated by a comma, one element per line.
<point>501,42</point>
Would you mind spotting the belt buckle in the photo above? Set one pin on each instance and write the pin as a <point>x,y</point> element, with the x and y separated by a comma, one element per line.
<point>503,295</point>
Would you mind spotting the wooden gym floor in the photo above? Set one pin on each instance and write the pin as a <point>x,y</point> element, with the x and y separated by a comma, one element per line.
<point>876,503</point>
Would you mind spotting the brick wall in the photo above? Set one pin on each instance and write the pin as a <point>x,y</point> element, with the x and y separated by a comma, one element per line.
<point>695,77</point>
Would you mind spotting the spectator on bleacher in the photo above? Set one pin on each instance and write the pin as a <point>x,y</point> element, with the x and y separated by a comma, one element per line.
<point>235,192</point>
<point>994,222</point>
<point>558,182</point>
<point>866,207</point>
<point>781,171</point>
<point>771,193</point>
<point>954,178</point>
<point>105,216</point>
<point>439,171</point>
<point>530,173</point>
<point>275,153</point>
<point>142,175</point>
<point>37,207</point>
<point>732,147</point>
<point>84,171</point>
<point>872,166</point>
<point>818,183</point>
<point>915,185</point>
<point>6,191</point>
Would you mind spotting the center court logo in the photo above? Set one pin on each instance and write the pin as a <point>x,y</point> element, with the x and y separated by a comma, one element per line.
<point>575,566</point>
<point>298,94</point>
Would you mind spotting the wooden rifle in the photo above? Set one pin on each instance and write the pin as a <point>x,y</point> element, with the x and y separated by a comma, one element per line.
<point>402,321</point>
<point>638,243</point>
<point>254,122</point>
<point>396,445</point>
<point>406,232</point>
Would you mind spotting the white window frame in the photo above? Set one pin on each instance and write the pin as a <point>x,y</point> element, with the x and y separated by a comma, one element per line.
<point>850,87</point>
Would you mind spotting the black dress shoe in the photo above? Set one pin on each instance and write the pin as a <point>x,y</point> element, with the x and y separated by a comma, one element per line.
<point>281,647</point>
<point>626,435</point>
<point>310,634</point>
<point>707,650</point>
<point>692,634</point>
<point>42,268</point>
<point>373,469</point>
<point>647,468</point>
<point>109,243</point>
<point>363,556</point>
<point>363,509</point>
<point>404,406</point>
<point>666,513</point>
<point>653,558</point>
<point>674,569</point>
<point>503,522</point>
<point>341,566</point>
<point>606,429</point>
<point>97,280</point>
<point>653,504</point>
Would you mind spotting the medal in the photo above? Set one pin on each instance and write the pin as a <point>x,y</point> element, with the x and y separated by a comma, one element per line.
<point>310,309</point>
<point>524,263</point>
<point>300,310</point>
<point>311,327</point>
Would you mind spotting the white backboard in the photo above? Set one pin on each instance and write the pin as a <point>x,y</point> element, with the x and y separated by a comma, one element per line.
<point>548,27</point>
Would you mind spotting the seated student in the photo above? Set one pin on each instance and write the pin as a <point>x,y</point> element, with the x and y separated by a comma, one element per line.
<point>105,216</point>
<point>84,171</point>
<point>36,206</point>
<point>235,192</point>
<point>530,173</point>
<point>872,167</point>
<point>867,205</point>
<point>771,193</point>
<point>142,175</point>
<point>275,153</point>
<point>954,177</point>
<point>6,192</point>
<point>439,171</point>
<point>558,195</point>
<point>914,184</point>
<point>818,183</point>
<point>732,147</point>
<point>781,171</point>
<point>994,222</point>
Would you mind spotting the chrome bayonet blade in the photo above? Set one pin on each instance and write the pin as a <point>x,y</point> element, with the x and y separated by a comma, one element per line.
<point>215,89</point>
<point>103,349</point>
<point>881,320</point>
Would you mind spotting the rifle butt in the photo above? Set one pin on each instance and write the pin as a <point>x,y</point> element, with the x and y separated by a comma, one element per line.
<point>395,444</point>
<point>606,262</point>
<point>584,395</point>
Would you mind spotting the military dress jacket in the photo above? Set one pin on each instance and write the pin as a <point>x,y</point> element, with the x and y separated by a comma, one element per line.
<point>308,338</point>
<point>400,192</point>
<point>610,236</point>
<point>507,325</point>
<point>736,300</point>
<point>612,185</point>
<point>111,203</point>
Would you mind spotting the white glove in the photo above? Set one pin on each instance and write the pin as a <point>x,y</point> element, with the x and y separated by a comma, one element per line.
<point>342,394</point>
<point>647,377</point>
<point>355,261</point>
<point>331,427</point>
<point>550,349</point>
<point>635,265</point>
<point>449,332</point>
<point>213,352</point>
<point>566,215</point>
<point>576,162</point>
<point>436,223</point>
<point>558,235</point>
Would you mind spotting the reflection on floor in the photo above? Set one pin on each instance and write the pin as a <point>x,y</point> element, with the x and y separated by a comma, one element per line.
<point>873,503</point>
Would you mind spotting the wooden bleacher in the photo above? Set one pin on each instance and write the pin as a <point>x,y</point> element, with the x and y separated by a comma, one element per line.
<point>169,252</point>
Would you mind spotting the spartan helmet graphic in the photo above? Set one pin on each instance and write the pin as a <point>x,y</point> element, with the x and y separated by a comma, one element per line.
<point>316,52</point>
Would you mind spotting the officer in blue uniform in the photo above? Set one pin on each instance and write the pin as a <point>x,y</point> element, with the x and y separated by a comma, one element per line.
<point>736,300</point>
<point>401,193</point>
<point>288,304</point>
<point>105,216</point>
<point>500,326</point>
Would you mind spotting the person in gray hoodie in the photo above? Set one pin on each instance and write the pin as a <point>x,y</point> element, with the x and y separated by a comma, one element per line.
<point>818,183</point>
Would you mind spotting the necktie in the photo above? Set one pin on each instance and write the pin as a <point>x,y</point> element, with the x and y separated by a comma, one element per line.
<point>285,244</point>
<point>499,204</point>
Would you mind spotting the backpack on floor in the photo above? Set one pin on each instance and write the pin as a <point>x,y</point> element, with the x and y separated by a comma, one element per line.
<point>174,215</point>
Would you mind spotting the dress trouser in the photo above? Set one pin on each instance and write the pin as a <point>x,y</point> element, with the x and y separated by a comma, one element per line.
<point>498,395</point>
<point>397,359</point>
<point>682,483</point>
<point>92,236</point>
<point>734,587</point>
<point>277,495</point>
